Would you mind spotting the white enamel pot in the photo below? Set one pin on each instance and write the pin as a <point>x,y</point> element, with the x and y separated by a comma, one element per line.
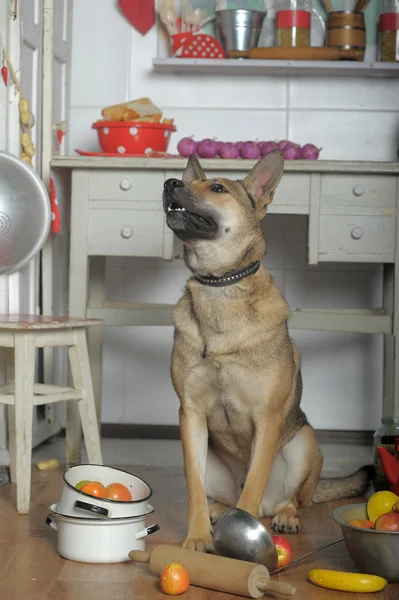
<point>75,503</point>
<point>99,540</point>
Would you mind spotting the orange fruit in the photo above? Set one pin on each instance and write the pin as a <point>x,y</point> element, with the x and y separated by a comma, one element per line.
<point>118,491</point>
<point>363,523</point>
<point>174,579</point>
<point>94,488</point>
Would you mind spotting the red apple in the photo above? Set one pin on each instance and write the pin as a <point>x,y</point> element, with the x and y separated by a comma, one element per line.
<point>284,550</point>
<point>388,522</point>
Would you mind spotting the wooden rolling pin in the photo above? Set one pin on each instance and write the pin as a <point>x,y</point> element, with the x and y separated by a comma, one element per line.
<point>215,572</point>
<point>305,53</point>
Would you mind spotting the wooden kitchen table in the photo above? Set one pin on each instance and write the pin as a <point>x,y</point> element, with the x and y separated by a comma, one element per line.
<point>115,211</point>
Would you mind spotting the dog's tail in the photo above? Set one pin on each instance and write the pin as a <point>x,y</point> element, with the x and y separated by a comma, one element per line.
<point>350,486</point>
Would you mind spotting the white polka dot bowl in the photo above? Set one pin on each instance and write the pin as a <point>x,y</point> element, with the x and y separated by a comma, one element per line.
<point>133,138</point>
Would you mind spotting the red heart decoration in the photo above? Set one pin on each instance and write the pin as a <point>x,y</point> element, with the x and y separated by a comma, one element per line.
<point>140,13</point>
<point>4,74</point>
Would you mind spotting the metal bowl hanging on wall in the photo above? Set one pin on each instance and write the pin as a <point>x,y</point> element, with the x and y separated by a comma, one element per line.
<point>25,215</point>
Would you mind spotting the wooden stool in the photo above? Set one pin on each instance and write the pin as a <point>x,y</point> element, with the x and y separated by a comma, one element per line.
<point>21,335</point>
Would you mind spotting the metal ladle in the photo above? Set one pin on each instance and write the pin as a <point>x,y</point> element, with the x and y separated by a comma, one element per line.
<point>237,534</point>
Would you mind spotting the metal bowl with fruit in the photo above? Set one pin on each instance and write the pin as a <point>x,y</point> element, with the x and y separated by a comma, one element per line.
<point>371,534</point>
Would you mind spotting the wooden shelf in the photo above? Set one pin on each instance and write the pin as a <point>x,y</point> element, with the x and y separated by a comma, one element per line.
<point>282,68</point>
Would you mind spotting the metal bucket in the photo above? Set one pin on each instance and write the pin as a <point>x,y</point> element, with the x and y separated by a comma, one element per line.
<point>239,29</point>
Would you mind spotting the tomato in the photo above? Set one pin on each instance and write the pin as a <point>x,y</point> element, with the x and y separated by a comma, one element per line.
<point>94,488</point>
<point>174,579</point>
<point>118,491</point>
<point>81,483</point>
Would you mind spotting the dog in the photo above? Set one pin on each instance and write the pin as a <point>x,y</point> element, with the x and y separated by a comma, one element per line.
<point>237,373</point>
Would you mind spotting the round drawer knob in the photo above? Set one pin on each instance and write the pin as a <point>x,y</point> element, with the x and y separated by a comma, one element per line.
<point>357,233</point>
<point>127,232</point>
<point>358,190</point>
<point>125,185</point>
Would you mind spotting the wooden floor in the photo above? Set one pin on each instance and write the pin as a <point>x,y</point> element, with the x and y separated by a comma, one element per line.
<point>31,569</point>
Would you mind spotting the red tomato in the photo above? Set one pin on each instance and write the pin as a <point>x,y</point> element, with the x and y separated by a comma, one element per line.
<point>94,488</point>
<point>174,579</point>
<point>118,491</point>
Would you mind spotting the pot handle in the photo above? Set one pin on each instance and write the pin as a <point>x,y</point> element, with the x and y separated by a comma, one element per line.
<point>98,510</point>
<point>147,531</point>
<point>51,523</point>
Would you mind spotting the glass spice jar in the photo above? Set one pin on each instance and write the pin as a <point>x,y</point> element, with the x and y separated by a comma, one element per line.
<point>389,32</point>
<point>293,23</point>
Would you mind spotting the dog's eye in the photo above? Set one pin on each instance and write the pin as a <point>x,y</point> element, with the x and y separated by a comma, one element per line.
<point>218,188</point>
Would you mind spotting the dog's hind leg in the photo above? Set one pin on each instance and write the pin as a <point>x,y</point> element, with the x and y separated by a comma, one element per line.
<point>293,479</point>
<point>220,486</point>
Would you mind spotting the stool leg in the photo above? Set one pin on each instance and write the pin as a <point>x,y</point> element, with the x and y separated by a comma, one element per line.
<point>73,434</point>
<point>9,377</point>
<point>24,366</point>
<point>81,375</point>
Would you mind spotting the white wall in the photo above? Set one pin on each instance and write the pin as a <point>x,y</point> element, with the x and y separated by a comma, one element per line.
<point>351,119</point>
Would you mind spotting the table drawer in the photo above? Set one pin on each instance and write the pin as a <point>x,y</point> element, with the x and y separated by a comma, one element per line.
<point>138,185</point>
<point>358,190</point>
<point>361,238</point>
<point>129,233</point>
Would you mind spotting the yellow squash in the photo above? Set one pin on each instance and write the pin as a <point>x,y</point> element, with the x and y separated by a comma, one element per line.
<point>48,465</point>
<point>346,582</point>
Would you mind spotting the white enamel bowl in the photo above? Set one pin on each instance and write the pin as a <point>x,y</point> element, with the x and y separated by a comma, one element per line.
<point>75,503</point>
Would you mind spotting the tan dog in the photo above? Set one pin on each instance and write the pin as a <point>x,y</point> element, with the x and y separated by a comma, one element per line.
<point>235,369</point>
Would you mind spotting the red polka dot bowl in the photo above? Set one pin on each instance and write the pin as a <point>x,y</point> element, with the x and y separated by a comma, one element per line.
<point>133,138</point>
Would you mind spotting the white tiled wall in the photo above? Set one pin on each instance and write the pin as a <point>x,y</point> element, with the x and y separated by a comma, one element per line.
<point>351,119</point>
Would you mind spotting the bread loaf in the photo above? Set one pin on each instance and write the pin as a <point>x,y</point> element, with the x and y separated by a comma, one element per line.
<point>130,111</point>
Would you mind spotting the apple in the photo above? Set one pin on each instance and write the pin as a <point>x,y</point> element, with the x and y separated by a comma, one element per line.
<point>174,579</point>
<point>284,550</point>
<point>79,485</point>
<point>388,522</point>
<point>363,523</point>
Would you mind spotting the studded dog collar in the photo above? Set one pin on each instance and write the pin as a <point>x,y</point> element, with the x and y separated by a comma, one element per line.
<point>230,278</point>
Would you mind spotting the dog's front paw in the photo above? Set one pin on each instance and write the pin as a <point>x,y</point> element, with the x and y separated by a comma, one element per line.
<point>203,543</point>
<point>286,523</point>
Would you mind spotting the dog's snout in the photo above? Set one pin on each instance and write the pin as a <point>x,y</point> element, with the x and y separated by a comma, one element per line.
<point>171,184</point>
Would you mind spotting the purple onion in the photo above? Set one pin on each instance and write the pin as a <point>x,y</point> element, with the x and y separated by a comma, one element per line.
<point>266,147</point>
<point>218,146</point>
<point>310,152</point>
<point>239,145</point>
<point>186,147</point>
<point>292,153</point>
<point>250,150</point>
<point>285,144</point>
<point>228,150</point>
<point>207,149</point>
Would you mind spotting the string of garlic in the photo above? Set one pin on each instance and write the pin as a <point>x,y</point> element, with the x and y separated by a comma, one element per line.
<point>26,117</point>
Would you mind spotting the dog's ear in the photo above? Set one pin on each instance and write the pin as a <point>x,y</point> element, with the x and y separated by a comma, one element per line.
<point>262,181</point>
<point>193,170</point>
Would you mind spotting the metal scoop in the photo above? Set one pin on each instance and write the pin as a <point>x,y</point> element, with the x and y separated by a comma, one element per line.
<point>237,534</point>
